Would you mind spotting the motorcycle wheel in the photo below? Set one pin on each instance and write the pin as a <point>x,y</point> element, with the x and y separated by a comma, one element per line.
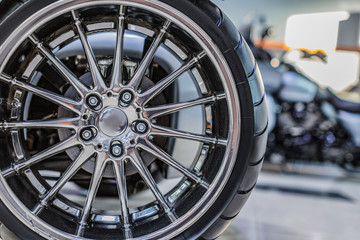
<point>153,80</point>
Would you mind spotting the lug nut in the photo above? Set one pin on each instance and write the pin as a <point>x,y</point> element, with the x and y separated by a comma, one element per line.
<point>87,134</point>
<point>126,97</point>
<point>116,149</point>
<point>141,127</point>
<point>94,102</point>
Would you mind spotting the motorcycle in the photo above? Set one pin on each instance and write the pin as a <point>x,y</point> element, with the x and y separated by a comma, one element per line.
<point>306,122</point>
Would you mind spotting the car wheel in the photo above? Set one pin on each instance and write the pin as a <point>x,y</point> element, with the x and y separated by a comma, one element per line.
<point>141,119</point>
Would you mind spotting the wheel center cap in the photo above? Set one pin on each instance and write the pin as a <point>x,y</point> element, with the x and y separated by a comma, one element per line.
<point>112,121</point>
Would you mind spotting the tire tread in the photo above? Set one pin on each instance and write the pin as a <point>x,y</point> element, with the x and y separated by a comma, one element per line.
<point>260,120</point>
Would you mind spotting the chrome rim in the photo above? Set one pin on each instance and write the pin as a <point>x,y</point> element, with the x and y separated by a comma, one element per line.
<point>112,111</point>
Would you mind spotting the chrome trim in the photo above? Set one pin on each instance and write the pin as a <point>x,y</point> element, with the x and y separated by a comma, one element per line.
<point>213,53</point>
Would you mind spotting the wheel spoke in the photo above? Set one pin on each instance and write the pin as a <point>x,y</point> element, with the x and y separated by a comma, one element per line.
<point>145,63</point>
<point>48,95</point>
<point>164,83</point>
<point>136,160</point>
<point>98,80</point>
<point>55,123</point>
<point>69,76</point>
<point>74,167</point>
<point>167,159</point>
<point>171,108</point>
<point>120,177</point>
<point>168,132</point>
<point>45,154</point>
<point>99,168</point>
<point>116,79</point>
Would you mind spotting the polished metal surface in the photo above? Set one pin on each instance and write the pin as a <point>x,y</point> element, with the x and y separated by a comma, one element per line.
<point>134,125</point>
<point>112,122</point>
<point>299,206</point>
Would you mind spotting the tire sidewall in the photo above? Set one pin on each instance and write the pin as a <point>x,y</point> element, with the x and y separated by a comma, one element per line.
<point>7,27</point>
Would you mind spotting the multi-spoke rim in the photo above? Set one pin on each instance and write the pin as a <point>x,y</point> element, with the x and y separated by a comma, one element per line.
<point>102,102</point>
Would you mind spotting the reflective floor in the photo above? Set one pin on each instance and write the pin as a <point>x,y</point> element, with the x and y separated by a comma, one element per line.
<point>320,204</point>
<point>316,203</point>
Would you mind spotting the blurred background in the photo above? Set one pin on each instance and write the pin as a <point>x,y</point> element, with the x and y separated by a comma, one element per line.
<point>308,52</point>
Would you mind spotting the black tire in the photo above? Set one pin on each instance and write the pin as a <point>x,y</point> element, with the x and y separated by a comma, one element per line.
<point>253,132</point>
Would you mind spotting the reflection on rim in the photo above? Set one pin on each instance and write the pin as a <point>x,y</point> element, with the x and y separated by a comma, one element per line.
<point>137,89</point>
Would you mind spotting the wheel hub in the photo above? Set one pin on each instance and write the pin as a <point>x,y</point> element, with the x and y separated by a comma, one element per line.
<point>112,121</point>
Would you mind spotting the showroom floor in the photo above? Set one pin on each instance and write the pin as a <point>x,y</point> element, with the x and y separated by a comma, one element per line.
<point>307,206</point>
<point>300,207</point>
